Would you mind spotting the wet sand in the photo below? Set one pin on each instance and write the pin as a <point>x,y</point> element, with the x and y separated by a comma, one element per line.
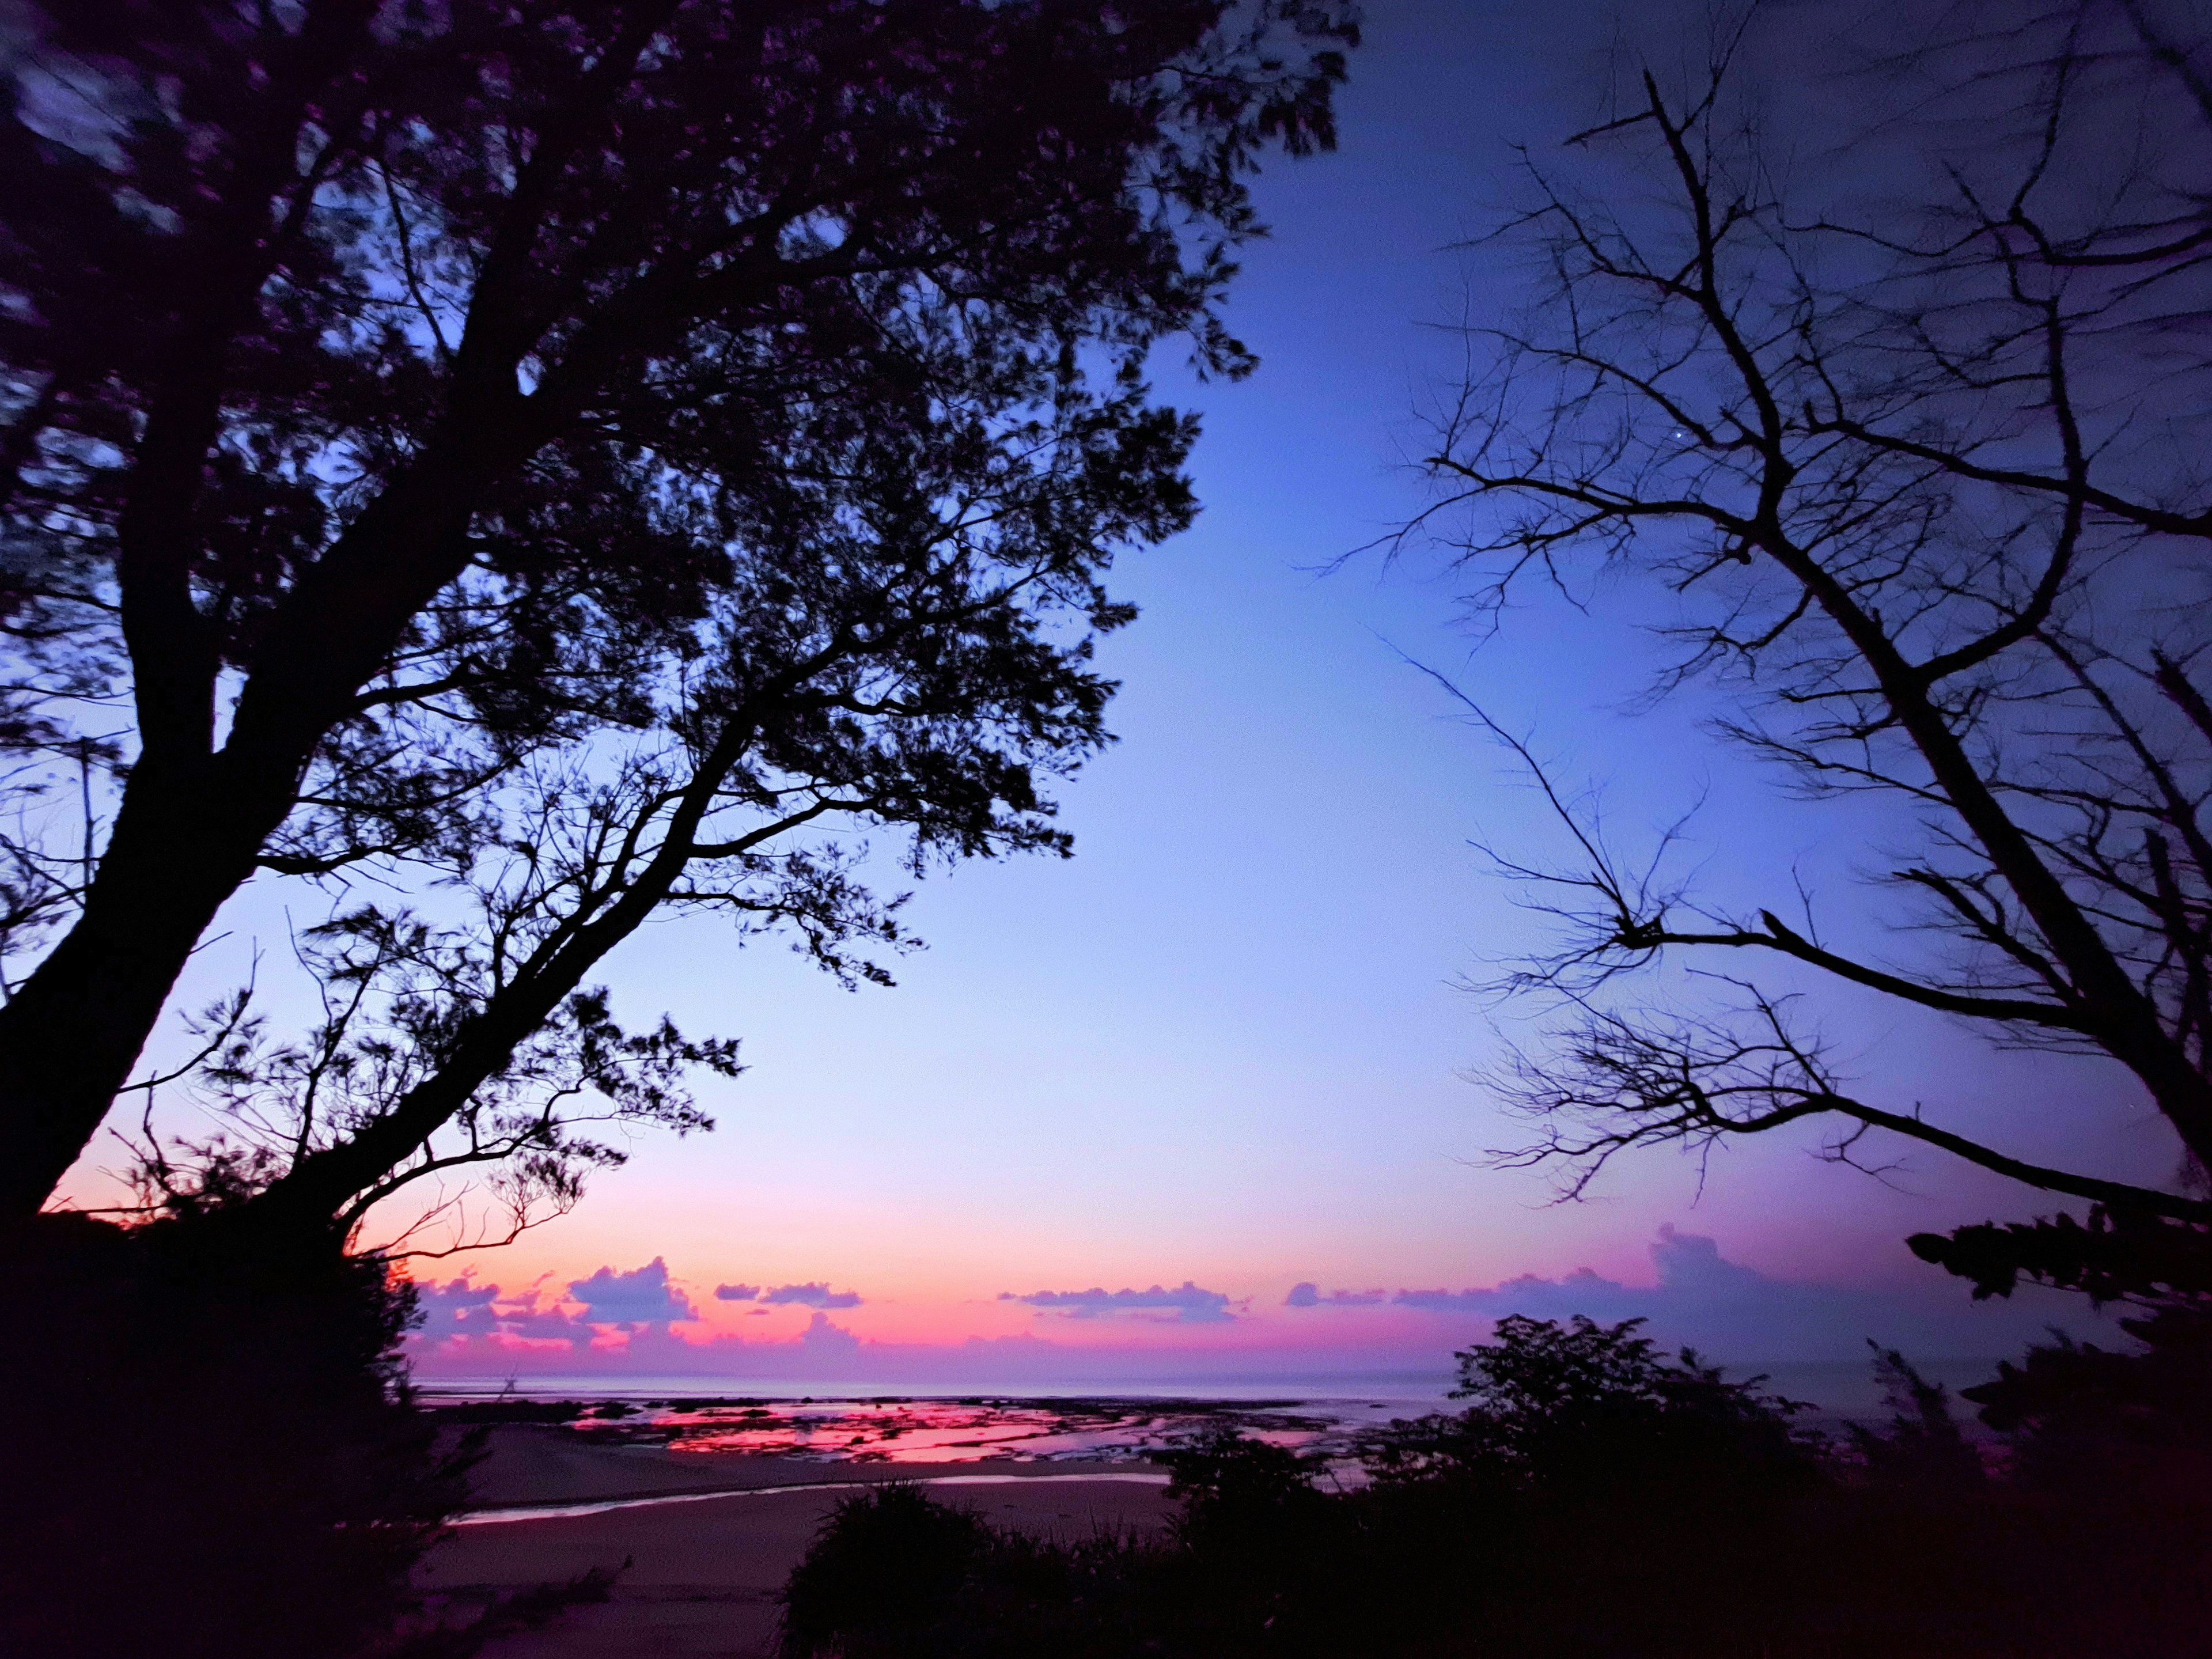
<point>704,1571</point>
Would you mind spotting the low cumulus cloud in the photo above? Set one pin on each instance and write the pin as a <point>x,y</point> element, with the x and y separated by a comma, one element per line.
<point>457,1305</point>
<point>643,1296</point>
<point>626,1322</point>
<point>1690,1269</point>
<point>829,1344</point>
<point>641,1300</point>
<point>1309,1295</point>
<point>811,1295</point>
<point>790,1295</point>
<point>1185,1304</point>
<point>1736,1312</point>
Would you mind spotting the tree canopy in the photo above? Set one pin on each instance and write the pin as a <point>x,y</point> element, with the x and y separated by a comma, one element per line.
<point>575,459</point>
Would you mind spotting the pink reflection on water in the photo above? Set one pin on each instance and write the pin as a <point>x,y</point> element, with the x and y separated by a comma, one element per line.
<point>947,1430</point>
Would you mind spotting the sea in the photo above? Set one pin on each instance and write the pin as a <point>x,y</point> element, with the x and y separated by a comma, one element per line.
<point>836,1420</point>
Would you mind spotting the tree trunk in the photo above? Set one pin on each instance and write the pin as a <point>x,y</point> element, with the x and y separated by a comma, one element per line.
<point>71,1034</point>
<point>192,826</point>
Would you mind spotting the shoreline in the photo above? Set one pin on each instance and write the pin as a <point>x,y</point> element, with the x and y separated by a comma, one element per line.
<point>558,1511</point>
<point>581,1450</point>
<point>698,1577</point>
<point>530,1466</point>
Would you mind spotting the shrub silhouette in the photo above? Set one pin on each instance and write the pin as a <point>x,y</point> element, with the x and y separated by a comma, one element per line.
<point>1240,1494</point>
<point>211,1447</point>
<point>1923,1446</point>
<point>2079,1415</point>
<point>884,1561</point>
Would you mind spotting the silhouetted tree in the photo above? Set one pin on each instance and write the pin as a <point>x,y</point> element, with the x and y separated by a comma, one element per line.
<point>581,456</point>
<point>1925,477</point>
<point>1573,1406</point>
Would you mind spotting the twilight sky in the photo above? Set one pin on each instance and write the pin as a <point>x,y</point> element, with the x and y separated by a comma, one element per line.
<point>1196,1100</point>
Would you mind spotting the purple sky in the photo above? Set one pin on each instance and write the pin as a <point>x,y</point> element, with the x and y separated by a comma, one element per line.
<point>1215,1066</point>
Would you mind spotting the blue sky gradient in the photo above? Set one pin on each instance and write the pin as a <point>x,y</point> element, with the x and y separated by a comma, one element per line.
<point>1223,1048</point>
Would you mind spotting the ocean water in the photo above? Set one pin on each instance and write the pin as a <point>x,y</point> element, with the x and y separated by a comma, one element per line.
<point>839,1420</point>
<point>835,1421</point>
<point>1417,1391</point>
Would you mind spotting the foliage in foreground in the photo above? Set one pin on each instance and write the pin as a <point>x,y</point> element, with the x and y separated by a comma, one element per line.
<point>1597,1498</point>
<point>212,1453</point>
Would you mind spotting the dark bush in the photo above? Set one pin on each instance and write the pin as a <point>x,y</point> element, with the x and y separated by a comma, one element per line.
<point>885,1562</point>
<point>2080,1416</point>
<point>1923,1447</point>
<point>893,1573</point>
<point>211,1447</point>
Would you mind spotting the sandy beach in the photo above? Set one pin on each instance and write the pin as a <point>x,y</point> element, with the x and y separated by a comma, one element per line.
<point>710,1537</point>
